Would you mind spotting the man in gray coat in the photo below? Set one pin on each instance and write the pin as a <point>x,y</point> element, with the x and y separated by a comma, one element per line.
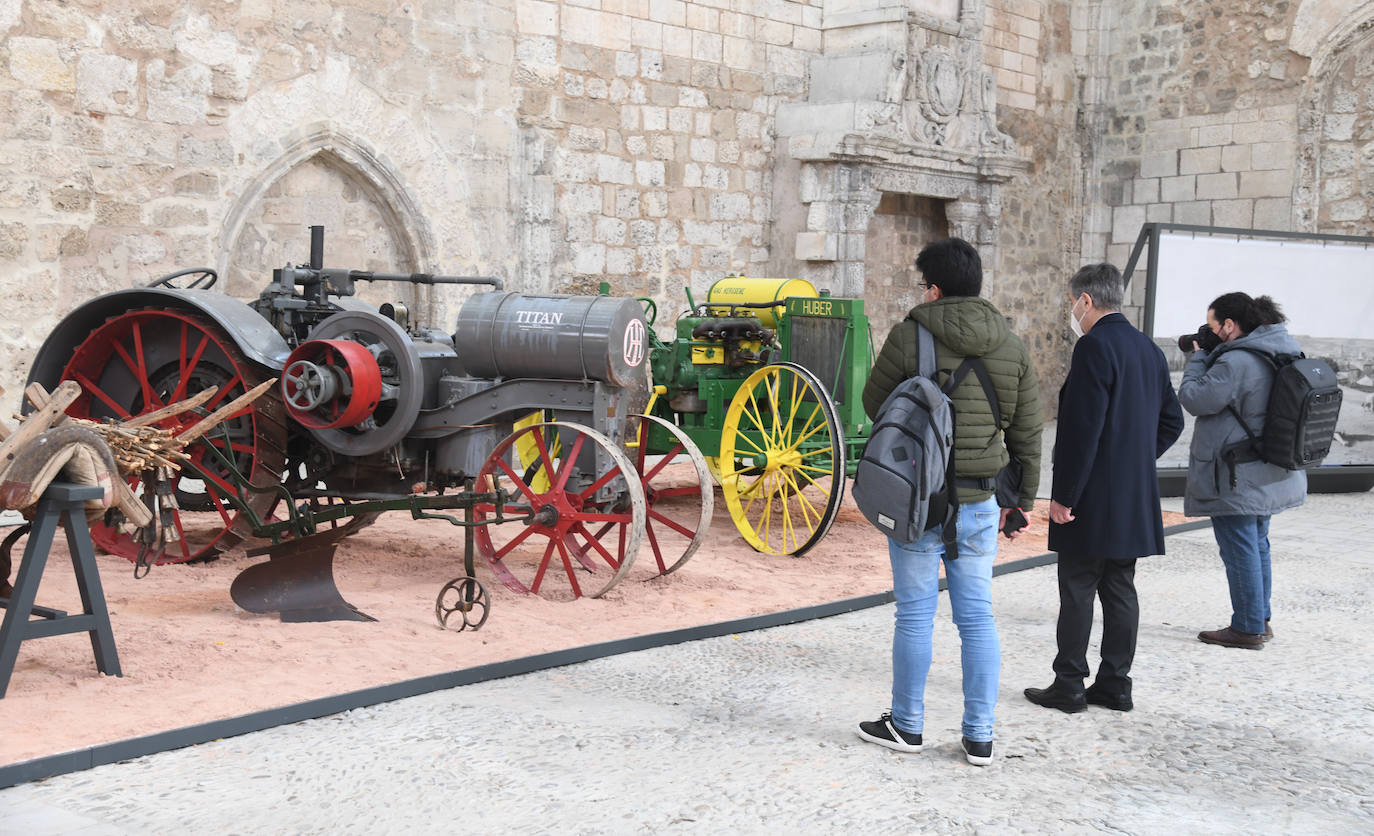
<point>1226,479</point>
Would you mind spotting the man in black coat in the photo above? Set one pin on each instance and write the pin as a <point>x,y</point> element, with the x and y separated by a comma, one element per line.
<point>1117,415</point>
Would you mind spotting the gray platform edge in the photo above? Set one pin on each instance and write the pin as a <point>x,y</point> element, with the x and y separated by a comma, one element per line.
<point>136,747</point>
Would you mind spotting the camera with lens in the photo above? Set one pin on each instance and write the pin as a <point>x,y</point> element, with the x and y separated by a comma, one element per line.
<point>1204,337</point>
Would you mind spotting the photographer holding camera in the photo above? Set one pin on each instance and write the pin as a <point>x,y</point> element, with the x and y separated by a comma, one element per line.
<point>1226,385</point>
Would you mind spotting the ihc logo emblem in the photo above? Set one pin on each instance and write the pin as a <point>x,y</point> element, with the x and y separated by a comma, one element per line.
<point>634,343</point>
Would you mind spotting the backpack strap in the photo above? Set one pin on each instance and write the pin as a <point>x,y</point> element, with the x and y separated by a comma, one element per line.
<point>1248,451</point>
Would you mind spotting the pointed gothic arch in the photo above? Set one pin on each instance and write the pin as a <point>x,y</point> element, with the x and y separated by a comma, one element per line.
<point>383,185</point>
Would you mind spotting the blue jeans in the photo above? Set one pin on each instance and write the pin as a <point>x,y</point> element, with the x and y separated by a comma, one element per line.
<point>916,586</point>
<point>1244,543</point>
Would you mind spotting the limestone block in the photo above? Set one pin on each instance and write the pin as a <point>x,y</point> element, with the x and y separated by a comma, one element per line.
<point>1178,189</point>
<point>534,17</point>
<point>650,173</point>
<point>673,12</point>
<point>680,119</point>
<point>647,34</point>
<point>816,246</point>
<point>1233,213</point>
<point>1274,213</point>
<point>729,206</point>
<point>1235,158</point>
<point>580,228</point>
<point>1273,183</point>
<point>1335,188</point>
<point>1339,127</point>
<point>620,261</point>
<point>168,215</point>
<point>1217,186</point>
<point>1347,210</point>
<point>205,152</point>
<point>1126,222</point>
<point>107,84</point>
<point>655,204</point>
<point>1264,131</point>
<point>677,41</point>
<point>1162,213</point>
<point>1145,191</point>
<point>143,249</point>
<point>1199,161</point>
<point>703,234</point>
<point>580,198</point>
<point>1196,213</point>
<point>588,258</point>
<point>649,259</point>
<point>1214,134</point>
<point>180,98</point>
<point>41,63</point>
<point>1265,155</point>
<point>691,176</point>
<point>611,169</point>
<point>610,230</point>
<point>643,232</point>
<point>13,239</point>
<point>1161,164</point>
<point>703,150</point>
<point>715,177</point>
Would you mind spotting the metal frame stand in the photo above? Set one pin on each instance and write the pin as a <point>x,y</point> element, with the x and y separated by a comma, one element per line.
<point>65,503</point>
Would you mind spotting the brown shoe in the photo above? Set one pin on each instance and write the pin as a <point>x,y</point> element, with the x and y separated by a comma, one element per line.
<point>1226,637</point>
<point>1268,631</point>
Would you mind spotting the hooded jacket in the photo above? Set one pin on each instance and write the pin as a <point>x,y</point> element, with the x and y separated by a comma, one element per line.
<point>1231,376</point>
<point>969,326</point>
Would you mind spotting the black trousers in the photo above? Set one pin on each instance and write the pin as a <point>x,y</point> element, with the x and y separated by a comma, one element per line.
<point>1080,580</point>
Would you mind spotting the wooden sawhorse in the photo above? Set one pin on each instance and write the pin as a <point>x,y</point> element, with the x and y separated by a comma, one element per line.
<point>63,503</point>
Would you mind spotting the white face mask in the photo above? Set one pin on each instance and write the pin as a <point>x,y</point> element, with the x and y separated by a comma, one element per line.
<point>1076,324</point>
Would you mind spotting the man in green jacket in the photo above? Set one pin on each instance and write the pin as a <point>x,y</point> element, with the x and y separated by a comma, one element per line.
<point>963,325</point>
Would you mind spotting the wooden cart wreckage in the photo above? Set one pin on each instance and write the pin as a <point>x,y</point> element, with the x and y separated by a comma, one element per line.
<point>536,426</point>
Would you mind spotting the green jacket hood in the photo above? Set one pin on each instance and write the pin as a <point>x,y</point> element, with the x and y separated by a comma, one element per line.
<point>969,325</point>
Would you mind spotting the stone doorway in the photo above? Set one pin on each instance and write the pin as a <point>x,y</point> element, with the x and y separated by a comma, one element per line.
<point>902,224</point>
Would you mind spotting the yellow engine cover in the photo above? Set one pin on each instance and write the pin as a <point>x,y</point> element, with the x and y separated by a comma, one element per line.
<point>733,290</point>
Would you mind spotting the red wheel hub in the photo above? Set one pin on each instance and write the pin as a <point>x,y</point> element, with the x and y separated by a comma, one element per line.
<point>330,384</point>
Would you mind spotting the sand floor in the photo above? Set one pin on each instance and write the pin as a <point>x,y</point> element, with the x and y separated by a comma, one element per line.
<point>189,655</point>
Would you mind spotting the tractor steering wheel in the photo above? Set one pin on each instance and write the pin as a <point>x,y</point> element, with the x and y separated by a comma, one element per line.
<point>204,279</point>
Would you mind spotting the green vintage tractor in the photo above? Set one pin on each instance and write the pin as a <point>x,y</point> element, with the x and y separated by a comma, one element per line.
<point>765,377</point>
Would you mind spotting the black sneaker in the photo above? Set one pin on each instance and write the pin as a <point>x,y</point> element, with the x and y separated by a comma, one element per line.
<point>884,733</point>
<point>979,753</point>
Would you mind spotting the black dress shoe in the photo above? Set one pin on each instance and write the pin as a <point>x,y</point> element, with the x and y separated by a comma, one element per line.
<point>1116,702</point>
<point>1052,697</point>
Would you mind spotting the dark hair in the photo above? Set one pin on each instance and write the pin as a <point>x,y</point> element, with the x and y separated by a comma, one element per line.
<point>1246,312</point>
<point>1102,282</point>
<point>953,266</point>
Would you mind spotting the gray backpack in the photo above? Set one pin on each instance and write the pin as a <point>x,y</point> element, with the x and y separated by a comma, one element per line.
<point>904,484</point>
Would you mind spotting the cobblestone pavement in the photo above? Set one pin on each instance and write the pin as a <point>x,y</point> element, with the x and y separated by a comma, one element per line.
<point>754,733</point>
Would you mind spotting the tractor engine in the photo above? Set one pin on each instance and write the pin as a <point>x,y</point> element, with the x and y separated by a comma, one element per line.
<point>722,340</point>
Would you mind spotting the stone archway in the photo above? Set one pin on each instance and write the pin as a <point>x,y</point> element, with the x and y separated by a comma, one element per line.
<point>1334,191</point>
<point>371,222</point>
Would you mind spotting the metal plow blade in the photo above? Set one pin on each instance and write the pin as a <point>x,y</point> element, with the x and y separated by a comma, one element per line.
<point>297,581</point>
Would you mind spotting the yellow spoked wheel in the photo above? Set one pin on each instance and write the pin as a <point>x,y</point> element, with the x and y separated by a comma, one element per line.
<point>781,460</point>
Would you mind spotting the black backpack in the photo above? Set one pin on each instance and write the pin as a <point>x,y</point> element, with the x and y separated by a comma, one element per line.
<point>1300,421</point>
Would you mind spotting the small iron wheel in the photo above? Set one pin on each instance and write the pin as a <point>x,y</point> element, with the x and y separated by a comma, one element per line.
<point>463,602</point>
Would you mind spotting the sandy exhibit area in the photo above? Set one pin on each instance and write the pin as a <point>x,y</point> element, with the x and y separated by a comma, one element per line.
<point>189,655</point>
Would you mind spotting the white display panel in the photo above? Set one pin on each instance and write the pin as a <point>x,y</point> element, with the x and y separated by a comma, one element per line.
<point>1325,290</point>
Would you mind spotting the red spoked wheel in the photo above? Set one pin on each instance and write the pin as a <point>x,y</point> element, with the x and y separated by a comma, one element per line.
<point>677,492</point>
<point>588,514</point>
<point>143,360</point>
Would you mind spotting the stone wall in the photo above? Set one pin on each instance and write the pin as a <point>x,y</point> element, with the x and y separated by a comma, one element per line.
<point>560,143</point>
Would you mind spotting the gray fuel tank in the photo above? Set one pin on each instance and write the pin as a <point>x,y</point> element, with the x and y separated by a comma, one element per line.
<point>563,337</point>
